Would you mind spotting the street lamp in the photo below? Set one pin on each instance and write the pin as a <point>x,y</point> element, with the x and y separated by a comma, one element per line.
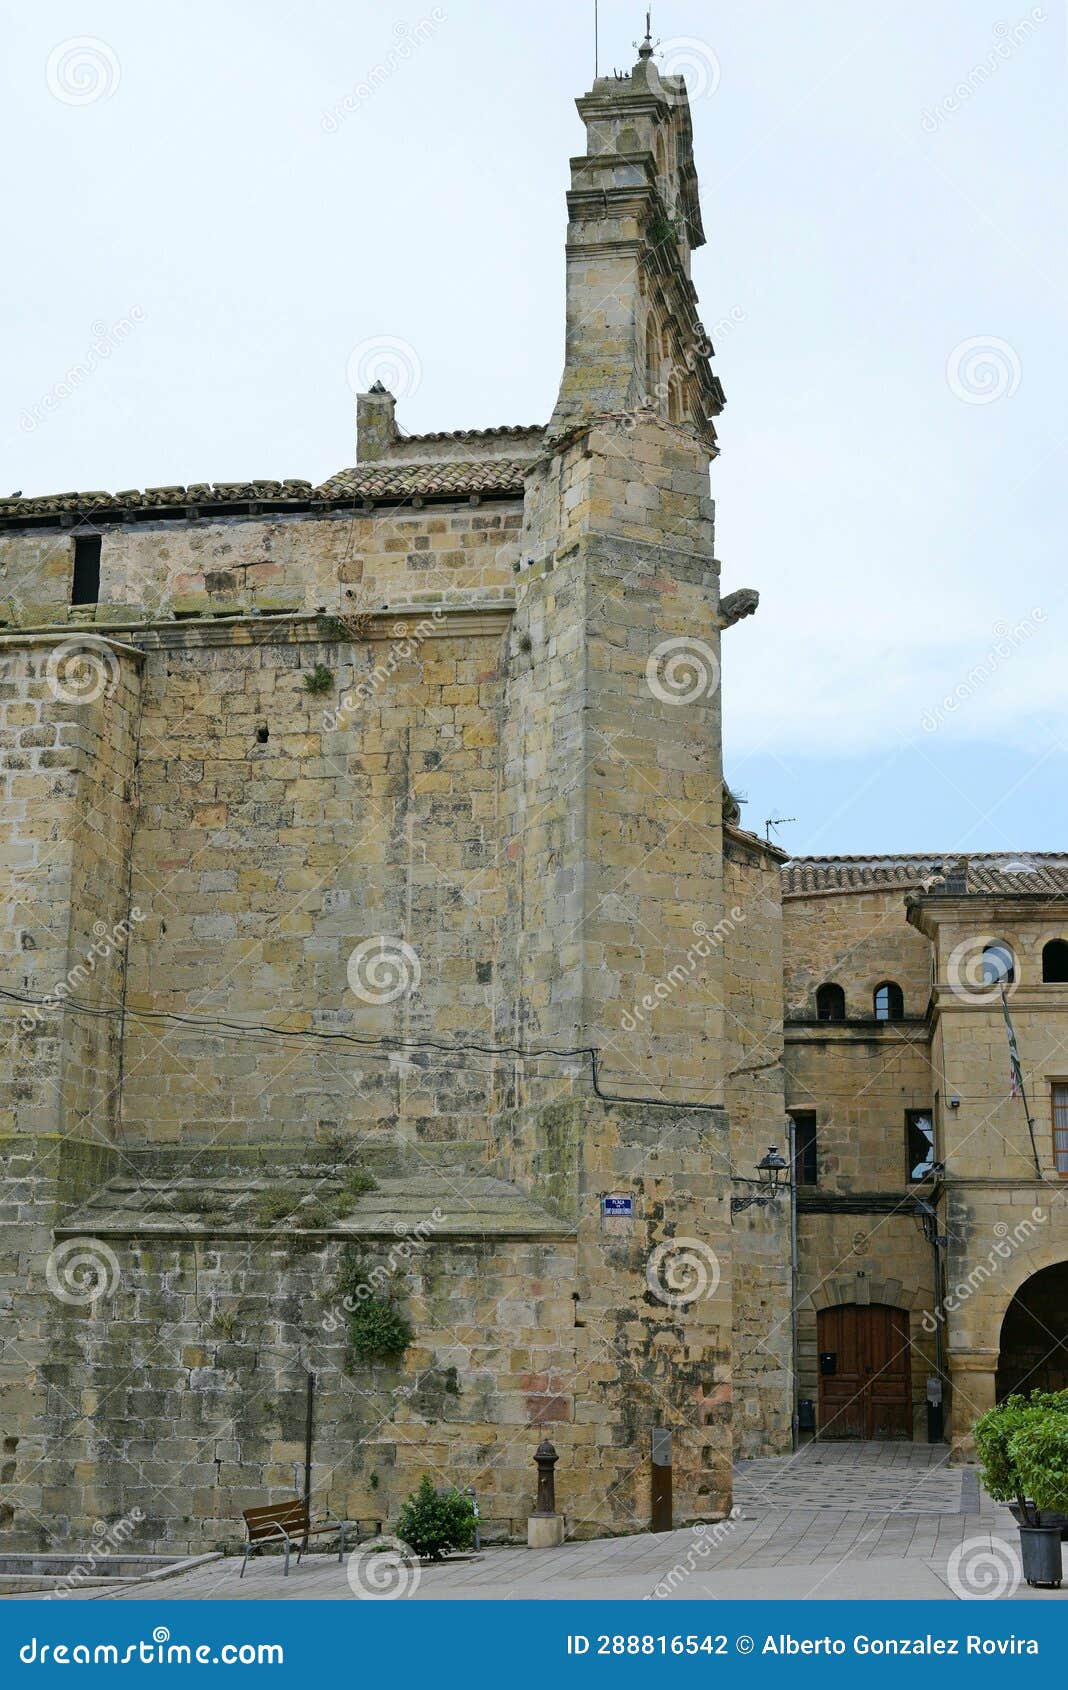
<point>770,1168</point>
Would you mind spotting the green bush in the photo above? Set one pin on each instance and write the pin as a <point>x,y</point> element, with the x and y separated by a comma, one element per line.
<point>432,1525</point>
<point>377,1331</point>
<point>319,680</point>
<point>1039,1452</point>
<point>268,1206</point>
<point>996,1433</point>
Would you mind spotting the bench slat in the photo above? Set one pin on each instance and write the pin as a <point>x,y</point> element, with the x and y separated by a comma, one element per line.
<point>291,1516</point>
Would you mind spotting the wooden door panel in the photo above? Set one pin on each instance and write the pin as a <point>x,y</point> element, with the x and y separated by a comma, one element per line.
<point>869,1395</point>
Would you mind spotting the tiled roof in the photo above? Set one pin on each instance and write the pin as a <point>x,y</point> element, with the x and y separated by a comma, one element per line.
<point>364,481</point>
<point>506,430</point>
<point>401,481</point>
<point>1002,873</point>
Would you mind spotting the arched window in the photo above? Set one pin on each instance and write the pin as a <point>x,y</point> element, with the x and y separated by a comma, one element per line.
<point>998,967</point>
<point>830,1002</point>
<point>1055,962</point>
<point>889,1001</point>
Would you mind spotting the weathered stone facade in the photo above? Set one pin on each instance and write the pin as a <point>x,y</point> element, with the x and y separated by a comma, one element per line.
<point>359,829</point>
<point>378,935</point>
<point>960,1273</point>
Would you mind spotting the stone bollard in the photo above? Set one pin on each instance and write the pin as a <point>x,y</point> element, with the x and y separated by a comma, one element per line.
<point>545,1527</point>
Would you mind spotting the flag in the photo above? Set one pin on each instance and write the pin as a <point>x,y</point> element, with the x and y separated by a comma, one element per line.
<point>1015,1071</point>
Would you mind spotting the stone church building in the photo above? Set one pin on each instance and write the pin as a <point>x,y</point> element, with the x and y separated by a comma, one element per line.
<point>390,993</point>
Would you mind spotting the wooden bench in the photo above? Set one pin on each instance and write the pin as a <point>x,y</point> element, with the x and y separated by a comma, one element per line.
<point>288,1522</point>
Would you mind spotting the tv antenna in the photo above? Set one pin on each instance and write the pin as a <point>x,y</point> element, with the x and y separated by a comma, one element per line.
<point>776,822</point>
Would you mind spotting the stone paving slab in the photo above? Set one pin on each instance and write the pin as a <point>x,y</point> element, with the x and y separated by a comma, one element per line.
<point>775,1549</point>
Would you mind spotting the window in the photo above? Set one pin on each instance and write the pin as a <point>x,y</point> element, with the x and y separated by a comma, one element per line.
<point>998,966</point>
<point>1055,962</point>
<point>919,1135</point>
<point>86,585</point>
<point>1060,1127</point>
<point>806,1160</point>
<point>889,1002</point>
<point>830,1002</point>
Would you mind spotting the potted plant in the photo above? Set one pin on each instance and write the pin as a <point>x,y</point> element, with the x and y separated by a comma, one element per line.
<point>1011,1464</point>
<point>1039,1452</point>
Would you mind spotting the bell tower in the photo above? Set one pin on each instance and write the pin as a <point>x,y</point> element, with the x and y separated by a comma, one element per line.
<point>613,809</point>
<point>634,340</point>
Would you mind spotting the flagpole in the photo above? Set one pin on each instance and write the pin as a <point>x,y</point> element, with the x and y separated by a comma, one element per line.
<point>1017,1073</point>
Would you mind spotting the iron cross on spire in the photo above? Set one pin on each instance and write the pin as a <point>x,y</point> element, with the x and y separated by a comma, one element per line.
<point>645,48</point>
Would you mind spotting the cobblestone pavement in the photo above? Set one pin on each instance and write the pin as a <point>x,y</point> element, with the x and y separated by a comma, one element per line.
<point>834,1521</point>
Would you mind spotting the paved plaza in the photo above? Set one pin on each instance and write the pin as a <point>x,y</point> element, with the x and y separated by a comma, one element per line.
<point>835,1521</point>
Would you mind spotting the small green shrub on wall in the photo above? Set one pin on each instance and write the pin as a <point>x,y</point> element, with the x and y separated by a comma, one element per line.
<point>377,1331</point>
<point>319,680</point>
<point>432,1525</point>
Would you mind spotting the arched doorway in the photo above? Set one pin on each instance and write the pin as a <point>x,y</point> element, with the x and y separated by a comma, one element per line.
<point>865,1372</point>
<point>1034,1335</point>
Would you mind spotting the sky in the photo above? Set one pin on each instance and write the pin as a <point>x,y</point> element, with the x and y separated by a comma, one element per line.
<point>213,209</point>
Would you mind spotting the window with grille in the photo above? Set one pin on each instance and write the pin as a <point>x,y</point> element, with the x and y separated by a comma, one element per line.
<point>806,1156</point>
<point>919,1138</point>
<point>1060,1128</point>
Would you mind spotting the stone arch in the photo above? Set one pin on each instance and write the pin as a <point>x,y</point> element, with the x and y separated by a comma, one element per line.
<point>1033,1351</point>
<point>986,1332</point>
<point>865,1287</point>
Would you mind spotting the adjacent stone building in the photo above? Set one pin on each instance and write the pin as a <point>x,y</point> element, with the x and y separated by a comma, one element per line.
<point>932,1235</point>
<point>390,993</point>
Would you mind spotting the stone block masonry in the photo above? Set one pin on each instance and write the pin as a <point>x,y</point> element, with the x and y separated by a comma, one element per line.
<point>398,795</point>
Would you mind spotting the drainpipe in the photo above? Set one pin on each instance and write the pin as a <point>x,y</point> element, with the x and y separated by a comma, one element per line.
<point>792,1137</point>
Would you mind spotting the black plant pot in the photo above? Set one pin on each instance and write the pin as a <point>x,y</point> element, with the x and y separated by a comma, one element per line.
<point>1040,1552</point>
<point>1049,1518</point>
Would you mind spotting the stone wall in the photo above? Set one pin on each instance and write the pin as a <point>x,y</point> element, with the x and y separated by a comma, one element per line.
<point>859,940</point>
<point>763,1311</point>
<point>344,560</point>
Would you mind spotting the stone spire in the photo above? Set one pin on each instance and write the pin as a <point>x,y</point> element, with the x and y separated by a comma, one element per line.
<point>634,338</point>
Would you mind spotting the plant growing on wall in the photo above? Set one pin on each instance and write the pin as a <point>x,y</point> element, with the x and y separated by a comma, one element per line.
<point>377,1330</point>
<point>433,1523</point>
<point>319,680</point>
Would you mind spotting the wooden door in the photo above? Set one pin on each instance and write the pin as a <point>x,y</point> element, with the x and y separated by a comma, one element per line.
<point>865,1376</point>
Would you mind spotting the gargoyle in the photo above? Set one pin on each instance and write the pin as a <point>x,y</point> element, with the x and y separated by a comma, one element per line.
<point>736,605</point>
